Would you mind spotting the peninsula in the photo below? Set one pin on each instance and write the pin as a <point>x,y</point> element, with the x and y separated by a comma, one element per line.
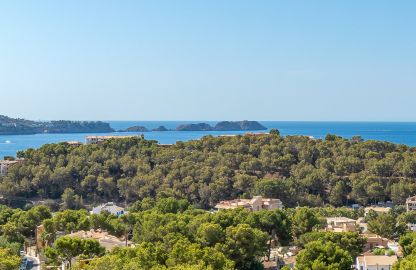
<point>18,126</point>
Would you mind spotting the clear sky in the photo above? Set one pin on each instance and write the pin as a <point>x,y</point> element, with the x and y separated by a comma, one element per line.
<point>208,60</point>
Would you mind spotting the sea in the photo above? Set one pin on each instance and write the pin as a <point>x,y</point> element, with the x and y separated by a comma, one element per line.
<point>395,132</point>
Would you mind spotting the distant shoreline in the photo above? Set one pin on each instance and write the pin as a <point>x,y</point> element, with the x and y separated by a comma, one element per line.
<point>13,126</point>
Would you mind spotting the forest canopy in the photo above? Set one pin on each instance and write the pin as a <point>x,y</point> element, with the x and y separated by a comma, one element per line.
<point>297,169</point>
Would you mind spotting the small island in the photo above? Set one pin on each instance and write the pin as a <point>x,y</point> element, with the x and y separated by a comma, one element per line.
<point>238,126</point>
<point>223,126</point>
<point>13,126</point>
<point>160,128</point>
<point>135,129</point>
<point>194,127</point>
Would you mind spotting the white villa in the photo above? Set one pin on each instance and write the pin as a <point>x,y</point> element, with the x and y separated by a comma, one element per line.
<point>411,203</point>
<point>109,207</point>
<point>372,262</point>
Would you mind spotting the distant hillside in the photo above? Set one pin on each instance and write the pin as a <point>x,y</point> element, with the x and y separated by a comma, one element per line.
<point>223,126</point>
<point>17,126</point>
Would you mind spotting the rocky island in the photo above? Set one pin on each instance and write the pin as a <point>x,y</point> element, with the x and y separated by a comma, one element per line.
<point>223,126</point>
<point>239,125</point>
<point>194,127</point>
<point>160,128</point>
<point>13,126</point>
<point>135,129</point>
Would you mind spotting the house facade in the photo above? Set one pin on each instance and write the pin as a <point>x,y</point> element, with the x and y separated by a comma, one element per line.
<point>374,240</point>
<point>372,262</point>
<point>341,224</point>
<point>411,203</point>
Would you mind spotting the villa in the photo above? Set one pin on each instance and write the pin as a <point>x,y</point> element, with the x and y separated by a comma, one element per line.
<point>256,204</point>
<point>109,207</point>
<point>374,240</point>
<point>372,262</point>
<point>411,203</point>
<point>341,224</point>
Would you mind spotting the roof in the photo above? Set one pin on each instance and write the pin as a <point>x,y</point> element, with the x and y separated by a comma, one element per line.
<point>110,207</point>
<point>10,162</point>
<point>413,198</point>
<point>106,240</point>
<point>377,260</point>
<point>339,219</point>
<point>247,203</point>
<point>378,209</point>
<point>374,236</point>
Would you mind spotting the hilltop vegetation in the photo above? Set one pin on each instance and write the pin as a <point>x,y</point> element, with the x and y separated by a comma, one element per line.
<point>296,169</point>
<point>21,126</point>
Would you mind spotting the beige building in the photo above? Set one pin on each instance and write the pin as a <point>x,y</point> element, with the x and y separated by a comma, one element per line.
<point>6,164</point>
<point>100,139</point>
<point>374,240</point>
<point>256,204</point>
<point>411,203</point>
<point>372,262</point>
<point>341,224</point>
<point>106,240</point>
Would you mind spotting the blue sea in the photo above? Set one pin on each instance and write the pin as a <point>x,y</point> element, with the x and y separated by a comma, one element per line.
<point>396,132</point>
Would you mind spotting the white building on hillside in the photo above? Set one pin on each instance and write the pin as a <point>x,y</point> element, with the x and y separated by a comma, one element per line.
<point>411,203</point>
<point>109,207</point>
<point>372,262</point>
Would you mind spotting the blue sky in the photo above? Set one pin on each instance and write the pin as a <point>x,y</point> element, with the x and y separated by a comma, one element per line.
<point>208,60</point>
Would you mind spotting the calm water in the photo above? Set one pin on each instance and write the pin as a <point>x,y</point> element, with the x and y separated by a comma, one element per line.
<point>403,133</point>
